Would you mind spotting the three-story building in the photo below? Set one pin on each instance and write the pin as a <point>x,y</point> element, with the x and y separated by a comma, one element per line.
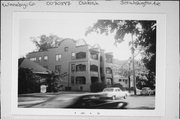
<point>78,64</point>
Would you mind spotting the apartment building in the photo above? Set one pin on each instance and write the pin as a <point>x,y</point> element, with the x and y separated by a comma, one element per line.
<point>79,64</point>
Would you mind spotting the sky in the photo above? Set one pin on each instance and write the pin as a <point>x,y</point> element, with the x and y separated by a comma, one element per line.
<point>69,27</point>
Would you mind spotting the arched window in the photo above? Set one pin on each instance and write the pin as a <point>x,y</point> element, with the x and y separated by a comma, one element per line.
<point>80,80</point>
<point>108,70</point>
<point>80,67</point>
<point>80,55</point>
<point>94,56</point>
<point>94,68</point>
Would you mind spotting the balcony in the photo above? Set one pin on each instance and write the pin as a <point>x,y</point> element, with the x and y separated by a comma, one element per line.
<point>94,53</point>
<point>94,70</point>
<point>94,74</point>
<point>80,55</point>
<point>109,75</point>
<point>109,72</point>
<point>80,67</point>
<point>109,57</point>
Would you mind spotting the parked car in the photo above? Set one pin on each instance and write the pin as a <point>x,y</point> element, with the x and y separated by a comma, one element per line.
<point>147,91</point>
<point>114,93</point>
<point>93,101</point>
<point>138,91</point>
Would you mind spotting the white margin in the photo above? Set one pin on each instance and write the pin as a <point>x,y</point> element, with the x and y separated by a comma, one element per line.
<point>160,65</point>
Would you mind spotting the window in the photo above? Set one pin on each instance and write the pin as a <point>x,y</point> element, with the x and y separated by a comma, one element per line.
<point>80,55</point>
<point>126,81</point>
<point>58,68</point>
<point>94,56</point>
<point>40,58</point>
<point>119,80</point>
<point>33,59</point>
<point>94,79</point>
<point>45,58</point>
<point>66,49</point>
<point>80,80</point>
<point>58,57</point>
<point>73,55</point>
<point>72,79</point>
<point>109,60</point>
<point>94,68</point>
<point>73,68</point>
<point>108,70</point>
<point>80,67</point>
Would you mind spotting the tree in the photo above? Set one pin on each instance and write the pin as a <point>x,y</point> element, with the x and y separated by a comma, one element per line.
<point>148,41</point>
<point>143,32</point>
<point>27,81</point>
<point>44,42</point>
<point>53,82</point>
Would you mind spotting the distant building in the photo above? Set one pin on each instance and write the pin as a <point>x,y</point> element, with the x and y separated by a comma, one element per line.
<point>77,64</point>
<point>36,69</point>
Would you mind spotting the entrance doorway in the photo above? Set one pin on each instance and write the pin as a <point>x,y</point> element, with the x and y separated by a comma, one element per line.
<point>94,79</point>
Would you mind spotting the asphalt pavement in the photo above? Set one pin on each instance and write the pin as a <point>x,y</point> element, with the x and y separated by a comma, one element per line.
<point>62,99</point>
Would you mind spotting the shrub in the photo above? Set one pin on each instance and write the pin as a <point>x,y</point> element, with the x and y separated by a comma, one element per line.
<point>27,81</point>
<point>97,87</point>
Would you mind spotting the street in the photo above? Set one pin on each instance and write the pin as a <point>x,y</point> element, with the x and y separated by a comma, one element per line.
<point>63,99</point>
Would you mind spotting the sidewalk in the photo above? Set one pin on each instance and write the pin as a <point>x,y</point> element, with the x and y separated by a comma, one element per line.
<point>28,100</point>
<point>30,103</point>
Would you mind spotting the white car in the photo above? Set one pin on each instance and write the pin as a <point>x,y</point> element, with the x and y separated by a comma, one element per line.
<point>147,91</point>
<point>114,93</point>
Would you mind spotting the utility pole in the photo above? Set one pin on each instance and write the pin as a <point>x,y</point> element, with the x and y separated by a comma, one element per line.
<point>134,78</point>
<point>129,79</point>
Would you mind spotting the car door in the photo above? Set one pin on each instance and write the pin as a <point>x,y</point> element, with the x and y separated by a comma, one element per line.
<point>118,93</point>
<point>121,93</point>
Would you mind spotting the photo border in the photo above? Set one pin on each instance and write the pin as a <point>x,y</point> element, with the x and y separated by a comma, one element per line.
<point>160,68</point>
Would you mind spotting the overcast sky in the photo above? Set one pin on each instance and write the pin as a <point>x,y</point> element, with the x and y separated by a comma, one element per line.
<point>68,27</point>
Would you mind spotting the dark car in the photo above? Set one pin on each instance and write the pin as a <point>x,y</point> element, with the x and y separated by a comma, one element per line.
<point>95,102</point>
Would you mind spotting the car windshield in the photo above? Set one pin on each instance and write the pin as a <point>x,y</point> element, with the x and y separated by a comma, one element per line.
<point>108,90</point>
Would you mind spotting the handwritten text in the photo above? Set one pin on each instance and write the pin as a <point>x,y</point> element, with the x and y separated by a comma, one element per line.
<point>58,3</point>
<point>23,5</point>
<point>140,3</point>
<point>88,2</point>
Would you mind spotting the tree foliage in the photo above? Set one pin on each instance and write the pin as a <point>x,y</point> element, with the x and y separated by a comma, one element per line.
<point>148,41</point>
<point>119,27</point>
<point>53,82</point>
<point>27,81</point>
<point>144,31</point>
<point>97,87</point>
<point>146,81</point>
<point>44,42</point>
